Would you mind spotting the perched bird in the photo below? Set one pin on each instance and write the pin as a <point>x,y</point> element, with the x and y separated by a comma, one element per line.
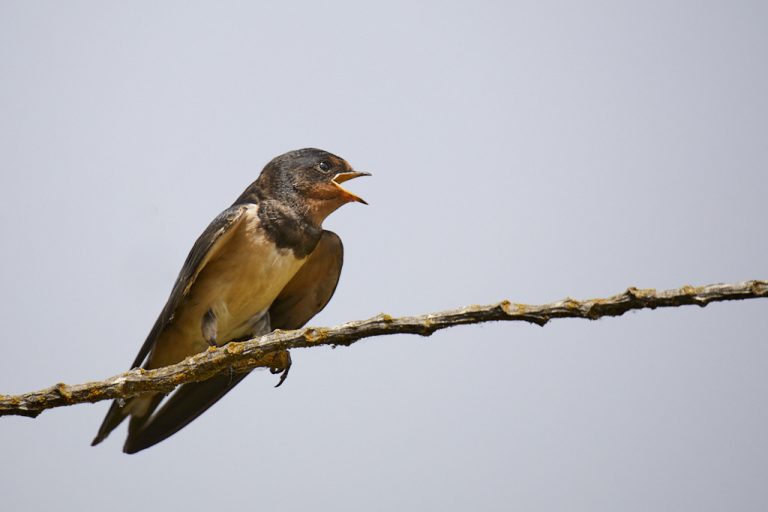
<point>264,263</point>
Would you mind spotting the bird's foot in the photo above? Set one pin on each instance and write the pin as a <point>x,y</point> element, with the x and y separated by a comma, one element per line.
<point>281,363</point>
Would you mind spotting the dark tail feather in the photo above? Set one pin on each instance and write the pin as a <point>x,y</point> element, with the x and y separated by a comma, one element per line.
<point>137,422</point>
<point>131,407</point>
<point>186,404</point>
<point>114,417</point>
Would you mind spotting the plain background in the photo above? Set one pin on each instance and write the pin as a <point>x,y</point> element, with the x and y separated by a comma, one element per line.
<point>521,150</point>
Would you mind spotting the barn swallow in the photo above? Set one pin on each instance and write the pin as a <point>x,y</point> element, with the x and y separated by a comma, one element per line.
<point>264,263</point>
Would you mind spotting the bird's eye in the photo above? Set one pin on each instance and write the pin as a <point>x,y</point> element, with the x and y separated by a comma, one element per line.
<point>324,166</point>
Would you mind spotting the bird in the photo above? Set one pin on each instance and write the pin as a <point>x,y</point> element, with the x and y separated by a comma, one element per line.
<point>262,264</point>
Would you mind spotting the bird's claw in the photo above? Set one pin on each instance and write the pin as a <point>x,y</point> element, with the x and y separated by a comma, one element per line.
<point>285,366</point>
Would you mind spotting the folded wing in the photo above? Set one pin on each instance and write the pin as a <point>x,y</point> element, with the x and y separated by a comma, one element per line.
<point>302,298</point>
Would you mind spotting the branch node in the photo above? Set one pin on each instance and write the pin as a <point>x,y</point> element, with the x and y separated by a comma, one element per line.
<point>63,391</point>
<point>572,305</point>
<point>758,287</point>
<point>234,348</point>
<point>315,335</point>
<point>426,328</point>
<point>640,298</point>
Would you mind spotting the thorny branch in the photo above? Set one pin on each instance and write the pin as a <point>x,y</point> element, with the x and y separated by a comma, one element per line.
<point>252,353</point>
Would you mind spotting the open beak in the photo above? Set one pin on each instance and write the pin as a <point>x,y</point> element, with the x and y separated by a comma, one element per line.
<point>346,176</point>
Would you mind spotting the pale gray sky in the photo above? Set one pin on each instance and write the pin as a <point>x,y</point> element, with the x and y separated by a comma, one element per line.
<point>521,150</point>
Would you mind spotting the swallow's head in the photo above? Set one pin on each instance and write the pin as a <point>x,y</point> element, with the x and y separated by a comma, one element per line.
<point>310,178</point>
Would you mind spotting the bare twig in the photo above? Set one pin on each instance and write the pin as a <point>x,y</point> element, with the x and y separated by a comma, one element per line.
<point>249,354</point>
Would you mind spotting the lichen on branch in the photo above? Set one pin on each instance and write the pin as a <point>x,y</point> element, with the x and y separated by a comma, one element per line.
<point>257,352</point>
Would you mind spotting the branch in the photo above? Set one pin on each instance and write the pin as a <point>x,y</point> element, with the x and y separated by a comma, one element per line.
<point>246,355</point>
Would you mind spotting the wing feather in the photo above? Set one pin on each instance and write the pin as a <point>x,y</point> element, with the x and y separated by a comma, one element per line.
<point>302,298</point>
<point>205,247</point>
